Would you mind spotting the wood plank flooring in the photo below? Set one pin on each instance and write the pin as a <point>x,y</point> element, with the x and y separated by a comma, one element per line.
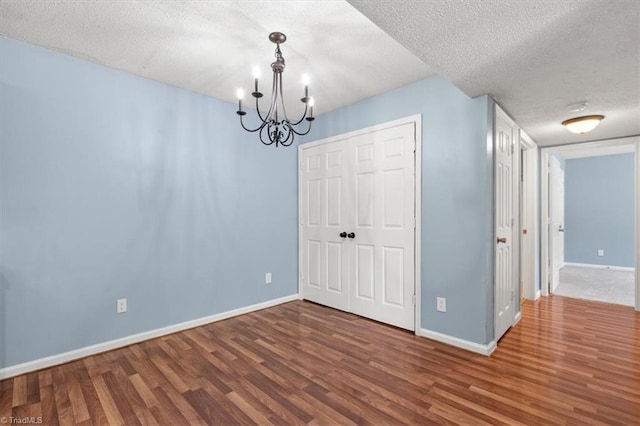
<point>567,362</point>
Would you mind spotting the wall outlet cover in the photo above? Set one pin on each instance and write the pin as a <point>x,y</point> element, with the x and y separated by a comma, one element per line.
<point>441,304</point>
<point>600,252</point>
<point>267,278</point>
<point>121,306</point>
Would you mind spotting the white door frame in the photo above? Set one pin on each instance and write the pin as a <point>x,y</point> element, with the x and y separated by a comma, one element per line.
<point>544,211</point>
<point>529,206</point>
<point>417,119</point>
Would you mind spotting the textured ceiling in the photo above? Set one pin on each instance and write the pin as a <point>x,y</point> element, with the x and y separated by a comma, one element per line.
<point>211,47</point>
<point>533,57</point>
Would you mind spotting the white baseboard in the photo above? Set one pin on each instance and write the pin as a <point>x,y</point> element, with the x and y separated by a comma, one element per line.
<point>50,361</point>
<point>457,342</point>
<point>538,294</point>
<point>517,318</point>
<point>594,266</point>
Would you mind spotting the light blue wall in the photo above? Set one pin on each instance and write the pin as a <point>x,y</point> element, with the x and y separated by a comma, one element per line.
<point>599,210</point>
<point>457,203</point>
<point>114,186</point>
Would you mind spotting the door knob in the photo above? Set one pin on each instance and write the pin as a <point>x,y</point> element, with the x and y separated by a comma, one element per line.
<point>343,234</point>
<point>502,240</point>
<point>351,235</point>
<point>560,229</point>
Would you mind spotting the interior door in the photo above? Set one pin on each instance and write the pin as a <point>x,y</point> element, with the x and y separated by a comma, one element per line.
<point>504,221</point>
<point>382,274</point>
<point>324,204</point>
<point>556,208</point>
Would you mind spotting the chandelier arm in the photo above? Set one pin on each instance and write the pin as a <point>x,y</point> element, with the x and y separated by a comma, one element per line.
<point>290,135</point>
<point>284,109</point>
<point>250,130</point>
<point>266,118</point>
<point>260,134</point>
<point>304,115</point>
<point>302,133</point>
<point>258,111</point>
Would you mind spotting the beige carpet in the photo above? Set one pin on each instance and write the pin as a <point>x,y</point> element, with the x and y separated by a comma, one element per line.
<point>605,285</point>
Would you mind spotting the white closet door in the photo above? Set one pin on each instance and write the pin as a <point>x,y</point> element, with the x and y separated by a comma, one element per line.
<point>324,266</point>
<point>362,186</point>
<point>381,277</point>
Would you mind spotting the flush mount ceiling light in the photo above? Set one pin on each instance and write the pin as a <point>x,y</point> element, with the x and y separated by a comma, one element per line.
<point>582,124</point>
<point>275,126</point>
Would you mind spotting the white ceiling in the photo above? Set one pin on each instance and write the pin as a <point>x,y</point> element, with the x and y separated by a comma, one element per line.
<point>533,56</point>
<point>211,47</point>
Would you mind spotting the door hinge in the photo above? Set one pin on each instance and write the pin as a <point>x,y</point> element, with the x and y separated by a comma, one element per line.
<point>413,299</point>
<point>512,222</point>
<point>513,147</point>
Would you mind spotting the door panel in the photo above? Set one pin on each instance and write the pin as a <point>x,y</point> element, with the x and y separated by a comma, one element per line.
<point>393,284</point>
<point>365,274</point>
<point>334,201</point>
<point>504,177</point>
<point>365,207</point>
<point>392,199</point>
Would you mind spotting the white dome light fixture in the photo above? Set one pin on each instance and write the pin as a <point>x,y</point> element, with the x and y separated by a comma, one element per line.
<point>584,124</point>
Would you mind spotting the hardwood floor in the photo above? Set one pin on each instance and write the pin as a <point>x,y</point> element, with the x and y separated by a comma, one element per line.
<point>567,362</point>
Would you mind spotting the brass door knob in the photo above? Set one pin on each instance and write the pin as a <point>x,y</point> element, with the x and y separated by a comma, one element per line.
<point>502,240</point>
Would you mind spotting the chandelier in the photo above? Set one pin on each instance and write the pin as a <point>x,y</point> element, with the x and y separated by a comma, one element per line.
<point>275,126</point>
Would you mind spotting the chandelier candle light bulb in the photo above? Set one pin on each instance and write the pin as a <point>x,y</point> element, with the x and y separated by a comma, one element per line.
<point>275,127</point>
<point>305,81</point>
<point>256,76</point>
<point>240,94</point>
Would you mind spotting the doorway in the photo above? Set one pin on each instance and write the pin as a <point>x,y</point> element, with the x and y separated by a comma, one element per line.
<point>593,224</point>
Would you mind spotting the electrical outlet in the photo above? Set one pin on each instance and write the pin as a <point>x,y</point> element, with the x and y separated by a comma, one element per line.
<point>441,304</point>
<point>267,278</point>
<point>600,252</point>
<point>121,306</point>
